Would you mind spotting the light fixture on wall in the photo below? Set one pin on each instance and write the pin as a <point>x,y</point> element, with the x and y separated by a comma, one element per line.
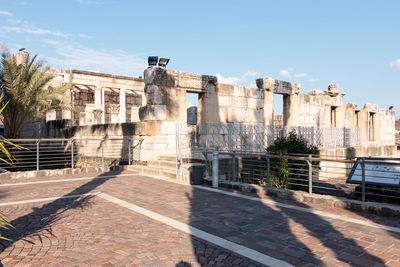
<point>163,62</point>
<point>152,60</point>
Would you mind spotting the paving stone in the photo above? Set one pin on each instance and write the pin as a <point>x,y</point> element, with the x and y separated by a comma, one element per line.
<point>84,231</point>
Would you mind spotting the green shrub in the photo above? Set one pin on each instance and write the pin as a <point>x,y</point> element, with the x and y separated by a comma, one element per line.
<point>290,173</point>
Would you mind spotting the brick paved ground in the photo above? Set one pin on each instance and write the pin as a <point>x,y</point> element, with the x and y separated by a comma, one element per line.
<point>91,230</point>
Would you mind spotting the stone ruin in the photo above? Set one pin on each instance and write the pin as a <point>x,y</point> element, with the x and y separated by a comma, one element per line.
<point>151,107</point>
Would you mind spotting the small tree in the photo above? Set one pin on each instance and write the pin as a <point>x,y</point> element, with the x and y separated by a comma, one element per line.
<point>24,87</point>
<point>289,173</point>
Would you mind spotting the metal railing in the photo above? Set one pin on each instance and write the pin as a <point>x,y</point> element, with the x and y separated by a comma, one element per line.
<point>47,153</point>
<point>255,137</point>
<point>366,179</point>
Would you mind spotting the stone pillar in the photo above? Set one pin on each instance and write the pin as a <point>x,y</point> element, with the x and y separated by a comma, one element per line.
<point>103,106</point>
<point>122,105</point>
<point>97,97</point>
<point>67,114</point>
<point>51,115</point>
<point>156,82</point>
<point>267,85</point>
<point>290,93</point>
<point>115,113</point>
<point>268,107</point>
<point>291,110</point>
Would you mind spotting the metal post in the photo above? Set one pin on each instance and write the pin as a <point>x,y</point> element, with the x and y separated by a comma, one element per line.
<point>363,180</point>
<point>102,153</point>
<point>215,169</point>
<point>129,152</point>
<point>268,171</point>
<point>72,153</point>
<point>309,175</point>
<point>233,167</point>
<point>37,154</point>
<point>312,135</point>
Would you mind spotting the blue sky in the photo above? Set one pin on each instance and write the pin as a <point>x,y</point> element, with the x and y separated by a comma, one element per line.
<point>355,44</point>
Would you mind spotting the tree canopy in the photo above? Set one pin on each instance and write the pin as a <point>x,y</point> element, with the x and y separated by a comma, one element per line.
<point>24,84</point>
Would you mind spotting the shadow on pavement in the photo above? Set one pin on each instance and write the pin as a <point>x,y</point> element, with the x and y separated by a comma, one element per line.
<point>281,233</point>
<point>41,219</point>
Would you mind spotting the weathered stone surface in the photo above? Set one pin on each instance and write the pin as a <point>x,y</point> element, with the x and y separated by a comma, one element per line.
<point>266,84</point>
<point>333,88</point>
<point>153,112</point>
<point>278,86</point>
<point>159,76</point>
<point>195,81</point>
<point>154,95</point>
<point>192,115</point>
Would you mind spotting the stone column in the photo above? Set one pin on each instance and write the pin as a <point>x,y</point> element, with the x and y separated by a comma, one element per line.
<point>67,114</point>
<point>267,85</point>
<point>51,115</point>
<point>103,106</point>
<point>122,105</point>
<point>97,97</point>
<point>291,110</point>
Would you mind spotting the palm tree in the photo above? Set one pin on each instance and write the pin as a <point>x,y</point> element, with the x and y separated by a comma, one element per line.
<point>9,159</point>
<point>24,84</point>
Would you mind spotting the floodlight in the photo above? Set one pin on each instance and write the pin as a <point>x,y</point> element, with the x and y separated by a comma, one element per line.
<point>152,60</point>
<point>163,62</point>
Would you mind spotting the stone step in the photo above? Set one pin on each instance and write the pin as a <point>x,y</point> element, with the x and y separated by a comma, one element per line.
<point>190,170</point>
<point>162,164</point>
<point>165,173</point>
<point>167,158</point>
<point>185,160</point>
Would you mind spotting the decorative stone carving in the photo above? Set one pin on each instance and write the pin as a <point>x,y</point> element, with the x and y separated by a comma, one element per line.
<point>97,115</point>
<point>114,108</point>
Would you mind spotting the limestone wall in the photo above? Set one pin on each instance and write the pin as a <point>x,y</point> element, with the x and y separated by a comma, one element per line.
<point>236,104</point>
<point>159,102</point>
<point>99,97</point>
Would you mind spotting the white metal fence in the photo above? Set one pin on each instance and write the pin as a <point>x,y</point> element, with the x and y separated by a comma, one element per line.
<point>46,153</point>
<point>255,138</point>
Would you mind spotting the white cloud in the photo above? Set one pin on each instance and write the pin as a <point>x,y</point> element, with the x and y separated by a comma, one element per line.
<point>242,80</point>
<point>229,80</point>
<point>252,84</point>
<point>300,75</point>
<point>285,74</point>
<point>312,80</point>
<point>89,2</point>
<point>34,31</point>
<point>395,64</point>
<point>14,21</point>
<point>6,13</point>
<point>76,56</point>
<point>251,73</point>
<point>30,29</point>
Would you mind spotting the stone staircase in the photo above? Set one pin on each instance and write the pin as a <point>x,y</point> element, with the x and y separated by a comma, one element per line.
<point>165,167</point>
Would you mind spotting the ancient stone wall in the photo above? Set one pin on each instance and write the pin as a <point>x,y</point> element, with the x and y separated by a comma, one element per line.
<point>159,101</point>
<point>100,98</point>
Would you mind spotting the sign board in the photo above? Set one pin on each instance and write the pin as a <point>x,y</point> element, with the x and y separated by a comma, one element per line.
<point>384,175</point>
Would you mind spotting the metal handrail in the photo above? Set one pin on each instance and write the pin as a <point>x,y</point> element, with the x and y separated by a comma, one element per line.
<point>298,158</point>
